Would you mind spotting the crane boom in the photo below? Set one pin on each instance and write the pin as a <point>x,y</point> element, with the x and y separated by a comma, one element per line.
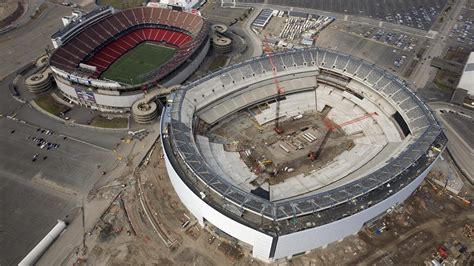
<point>355,120</point>
<point>279,88</point>
<point>330,126</point>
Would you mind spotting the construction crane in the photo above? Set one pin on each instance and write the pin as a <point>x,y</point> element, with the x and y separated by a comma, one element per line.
<point>355,120</point>
<point>279,88</point>
<point>330,126</point>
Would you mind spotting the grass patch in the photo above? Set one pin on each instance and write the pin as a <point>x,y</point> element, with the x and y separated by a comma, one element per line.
<point>142,59</point>
<point>121,4</point>
<point>459,56</point>
<point>104,122</point>
<point>446,80</point>
<point>217,62</point>
<point>39,10</point>
<point>47,103</point>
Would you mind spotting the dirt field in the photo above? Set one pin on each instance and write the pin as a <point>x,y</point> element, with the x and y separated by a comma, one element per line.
<point>147,225</point>
<point>242,133</point>
<point>126,232</point>
<point>447,80</point>
<point>409,235</point>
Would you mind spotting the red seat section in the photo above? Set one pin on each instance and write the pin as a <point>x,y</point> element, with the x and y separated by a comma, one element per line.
<point>114,50</point>
<point>74,51</point>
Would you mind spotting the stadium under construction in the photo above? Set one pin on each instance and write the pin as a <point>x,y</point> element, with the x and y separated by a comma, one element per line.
<point>292,151</point>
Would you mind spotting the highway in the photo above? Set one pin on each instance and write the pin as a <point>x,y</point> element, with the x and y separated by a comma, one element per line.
<point>459,146</point>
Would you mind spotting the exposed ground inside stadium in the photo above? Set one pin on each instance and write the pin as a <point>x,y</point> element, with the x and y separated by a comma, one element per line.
<point>269,157</point>
<point>132,67</point>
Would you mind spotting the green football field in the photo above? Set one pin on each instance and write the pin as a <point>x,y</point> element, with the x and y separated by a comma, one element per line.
<point>140,60</point>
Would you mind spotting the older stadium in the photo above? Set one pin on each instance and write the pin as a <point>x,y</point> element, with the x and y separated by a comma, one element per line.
<point>109,58</point>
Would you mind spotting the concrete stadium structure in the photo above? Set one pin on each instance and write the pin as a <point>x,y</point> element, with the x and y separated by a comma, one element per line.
<point>397,151</point>
<point>40,81</point>
<point>88,47</point>
<point>220,42</point>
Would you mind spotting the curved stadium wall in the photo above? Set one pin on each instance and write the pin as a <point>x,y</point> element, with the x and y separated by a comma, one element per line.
<point>283,228</point>
<point>80,61</point>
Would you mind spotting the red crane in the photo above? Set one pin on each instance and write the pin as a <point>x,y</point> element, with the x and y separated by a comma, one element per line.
<point>279,88</point>
<point>330,126</point>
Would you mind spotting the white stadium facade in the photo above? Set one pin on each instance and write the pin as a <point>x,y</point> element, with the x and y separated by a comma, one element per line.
<point>305,212</point>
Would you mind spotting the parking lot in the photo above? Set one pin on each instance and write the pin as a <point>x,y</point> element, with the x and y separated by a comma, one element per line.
<point>378,53</point>
<point>394,39</point>
<point>40,185</point>
<point>68,164</point>
<point>419,14</point>
<point>212,11</point>
<point>28,219</point>
<point>404,46</point>
<point>462,33</point>
<point>26,43</point>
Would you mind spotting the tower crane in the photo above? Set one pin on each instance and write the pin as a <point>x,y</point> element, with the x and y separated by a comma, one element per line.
<point>330,126</point>
<point>280,90</point>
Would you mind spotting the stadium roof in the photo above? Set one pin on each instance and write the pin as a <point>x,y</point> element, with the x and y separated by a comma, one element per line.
<point>467,78</point>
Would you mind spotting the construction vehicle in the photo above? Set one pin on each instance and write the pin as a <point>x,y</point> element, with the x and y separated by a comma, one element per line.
<point>263,164</point>
<point>463,200</point>
<point>133,133</point>
<point>442,190</point>
<point>436,149</point>
<point>330,126</point>
<point>435,188</point>
<point>443,253</point>
<point>469,231</point>
<point>311,156</point>
<point>279,88</point>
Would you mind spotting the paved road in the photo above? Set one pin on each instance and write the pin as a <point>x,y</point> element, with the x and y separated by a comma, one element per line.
<point>23,111</point>
<point>28,42</point>
<point>58,253</point>
<point>351,18</point>
<point>253,40</point>
<point>460,144</point>
<point>423,72</point>
<point>34,194</point>
<point>26,220</point>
